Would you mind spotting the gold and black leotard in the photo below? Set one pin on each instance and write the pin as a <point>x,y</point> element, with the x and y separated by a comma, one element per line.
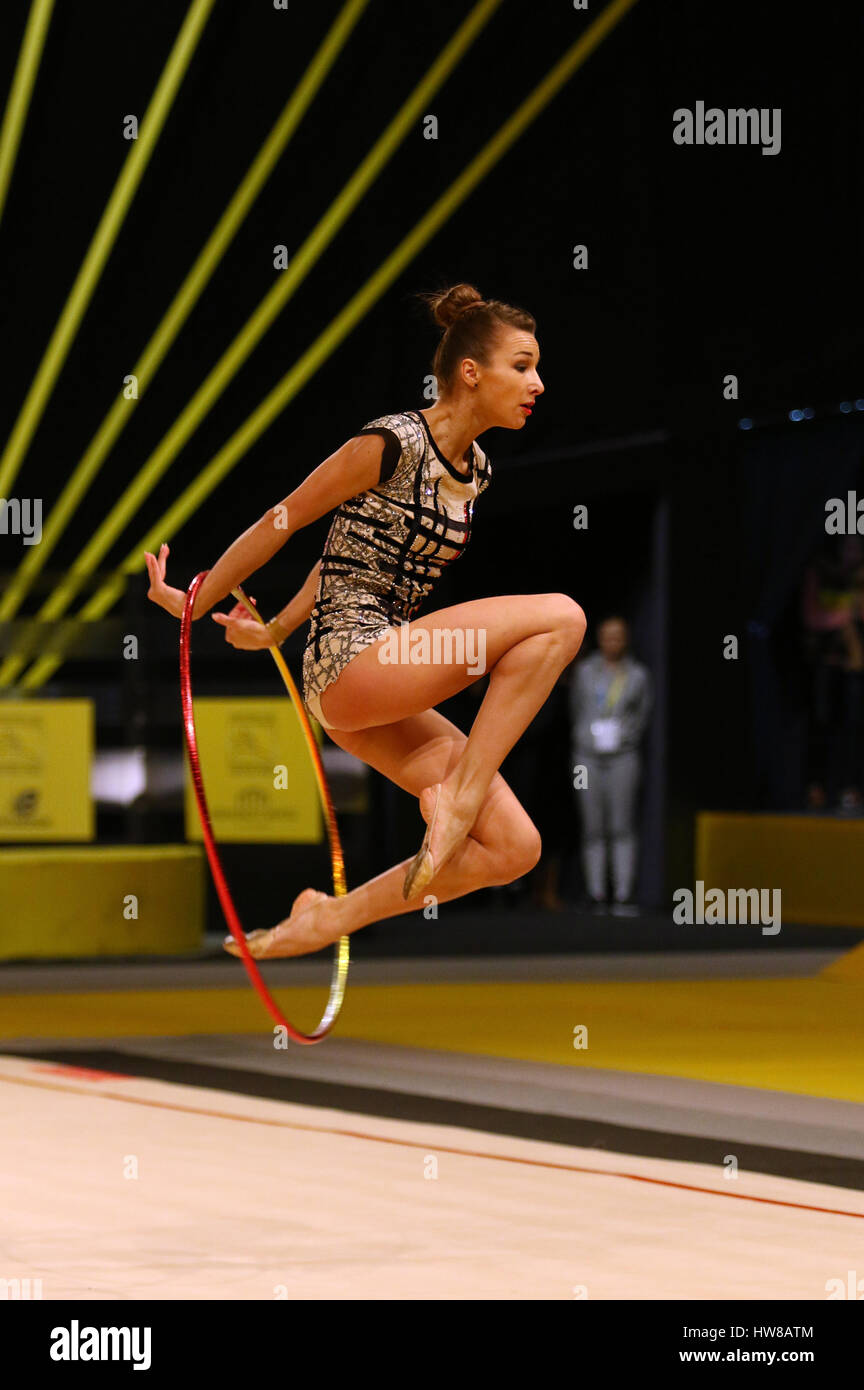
<point>387,546</point>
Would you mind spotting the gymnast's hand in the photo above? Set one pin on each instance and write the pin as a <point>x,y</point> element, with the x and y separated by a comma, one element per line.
<point>243,632</point>
<point>172,600</point>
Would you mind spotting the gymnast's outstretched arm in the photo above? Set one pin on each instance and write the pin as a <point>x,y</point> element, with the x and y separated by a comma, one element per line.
<point>354,468</point>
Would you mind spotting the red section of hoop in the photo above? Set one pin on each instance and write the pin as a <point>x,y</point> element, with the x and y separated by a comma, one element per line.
<point>209,842</point>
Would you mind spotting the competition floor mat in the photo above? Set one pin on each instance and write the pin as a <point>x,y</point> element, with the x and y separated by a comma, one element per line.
<point>449,1142</point>
<point>122,1188</point>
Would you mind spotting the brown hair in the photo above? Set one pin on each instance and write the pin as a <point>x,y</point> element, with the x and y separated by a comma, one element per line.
<point>471,326</point>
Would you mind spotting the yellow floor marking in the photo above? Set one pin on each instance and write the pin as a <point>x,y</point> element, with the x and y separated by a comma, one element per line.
<point>803,1036</point>
<point>848,967</point>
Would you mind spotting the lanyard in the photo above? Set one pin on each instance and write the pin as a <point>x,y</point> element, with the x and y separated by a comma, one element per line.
<point>613,694</point>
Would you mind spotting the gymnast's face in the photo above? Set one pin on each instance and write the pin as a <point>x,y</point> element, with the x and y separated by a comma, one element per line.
<point>510,384</point>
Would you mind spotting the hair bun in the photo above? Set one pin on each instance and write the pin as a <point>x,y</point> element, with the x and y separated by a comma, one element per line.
<point>450,305</point>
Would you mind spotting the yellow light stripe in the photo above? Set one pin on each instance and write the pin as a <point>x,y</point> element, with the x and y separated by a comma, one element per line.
<point>102,244</point>
<point>322,348</point>
<point>175,317</point>
<point>21,91</point>
<point>256,326</point>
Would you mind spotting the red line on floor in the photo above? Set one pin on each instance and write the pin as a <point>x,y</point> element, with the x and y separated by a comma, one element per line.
<point>85,1073</point>
<point>417,1144</point>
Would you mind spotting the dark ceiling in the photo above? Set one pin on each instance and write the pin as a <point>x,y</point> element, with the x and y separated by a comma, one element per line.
<point>702,261</point>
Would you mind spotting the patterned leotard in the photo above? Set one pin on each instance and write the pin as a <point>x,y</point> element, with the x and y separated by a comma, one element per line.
<point>387,546</point>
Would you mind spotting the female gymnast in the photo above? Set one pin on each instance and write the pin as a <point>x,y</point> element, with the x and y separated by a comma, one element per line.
<point>403,489</point>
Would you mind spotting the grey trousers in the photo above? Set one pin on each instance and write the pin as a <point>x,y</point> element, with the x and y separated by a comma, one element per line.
<point>608,809</point>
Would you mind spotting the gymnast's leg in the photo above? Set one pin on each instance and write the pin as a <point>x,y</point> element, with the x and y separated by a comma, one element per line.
<point>503,843</point>
<point>527,640</point>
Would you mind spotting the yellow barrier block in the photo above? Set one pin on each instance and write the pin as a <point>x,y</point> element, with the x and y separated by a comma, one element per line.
<point>817,862</point>
<point>113,901</point>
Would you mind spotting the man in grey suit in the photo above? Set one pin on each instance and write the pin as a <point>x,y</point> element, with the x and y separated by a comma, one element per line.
<point>610,703</point>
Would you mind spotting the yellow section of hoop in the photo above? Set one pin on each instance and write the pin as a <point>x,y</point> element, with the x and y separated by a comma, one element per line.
<point>340,888</point>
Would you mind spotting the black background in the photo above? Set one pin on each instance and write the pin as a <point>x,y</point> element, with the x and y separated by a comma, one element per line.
<point>703,261</point>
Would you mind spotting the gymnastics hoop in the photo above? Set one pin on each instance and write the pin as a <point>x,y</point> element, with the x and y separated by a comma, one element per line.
<point>341,958</point>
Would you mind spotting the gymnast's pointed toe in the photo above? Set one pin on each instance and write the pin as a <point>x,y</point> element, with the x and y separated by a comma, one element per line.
<point>421,872</point>
<point>255,944</point>
<point>422,868</point>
